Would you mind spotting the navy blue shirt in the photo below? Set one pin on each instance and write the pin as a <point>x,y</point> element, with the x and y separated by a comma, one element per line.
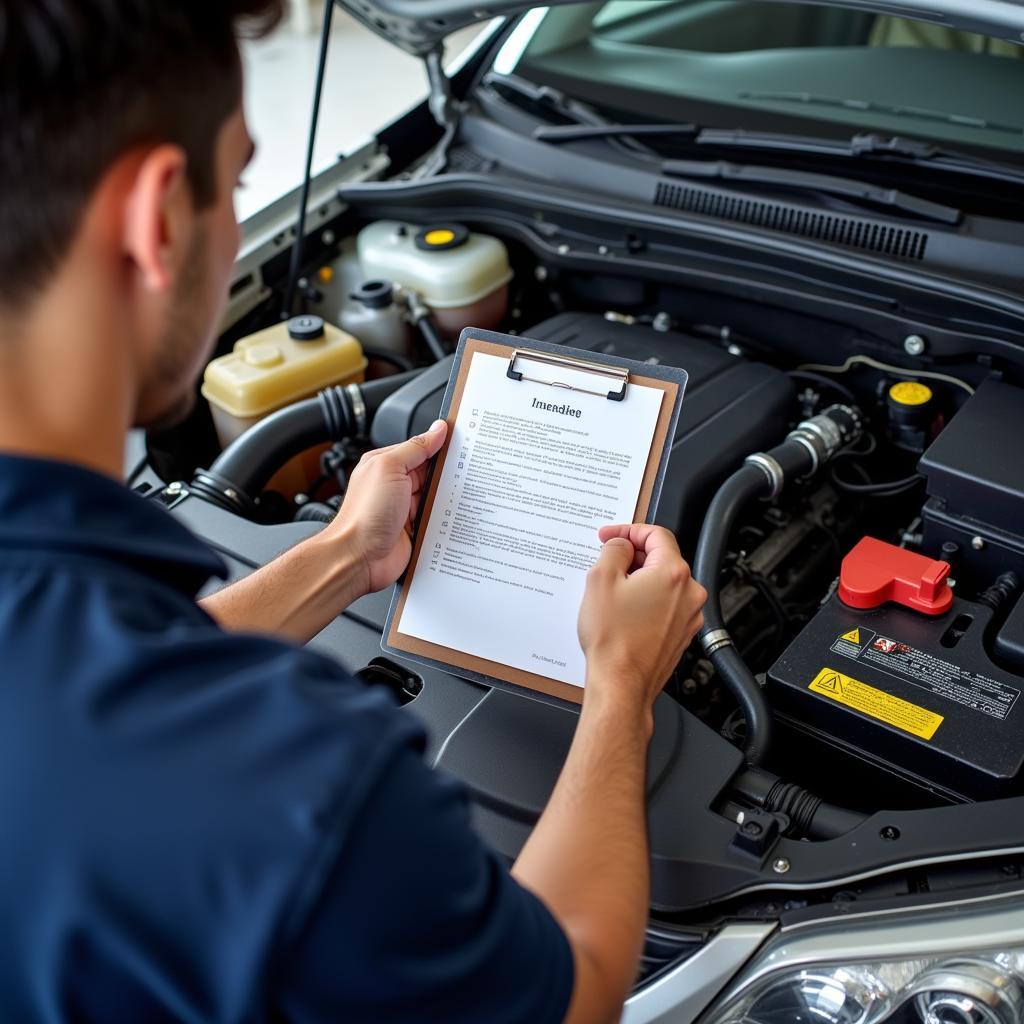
<point>209,827</point>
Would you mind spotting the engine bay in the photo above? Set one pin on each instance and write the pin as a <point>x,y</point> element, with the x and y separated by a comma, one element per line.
<point>872,592</point>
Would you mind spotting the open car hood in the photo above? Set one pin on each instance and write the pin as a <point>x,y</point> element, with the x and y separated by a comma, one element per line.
<point>420,26</point>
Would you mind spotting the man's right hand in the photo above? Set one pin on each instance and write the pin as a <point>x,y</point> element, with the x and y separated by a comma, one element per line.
<point>640,611</point>
<point>587,858</point>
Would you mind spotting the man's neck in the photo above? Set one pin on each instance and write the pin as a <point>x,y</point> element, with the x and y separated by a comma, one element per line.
<point>65,391</point>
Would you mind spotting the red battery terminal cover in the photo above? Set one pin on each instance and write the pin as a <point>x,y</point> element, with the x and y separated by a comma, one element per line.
<point>875,572</point>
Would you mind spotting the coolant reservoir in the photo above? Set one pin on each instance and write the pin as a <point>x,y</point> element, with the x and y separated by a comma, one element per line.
<point>275,367</point>
<point>461,275</point>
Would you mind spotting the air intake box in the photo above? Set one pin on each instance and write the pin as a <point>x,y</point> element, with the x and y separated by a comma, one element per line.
<point>976,485</point>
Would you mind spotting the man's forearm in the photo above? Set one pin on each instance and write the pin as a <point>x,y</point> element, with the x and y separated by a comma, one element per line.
<point>295,595</point>
<point>587,858</point>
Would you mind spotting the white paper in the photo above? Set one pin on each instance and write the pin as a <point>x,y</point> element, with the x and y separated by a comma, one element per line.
<point>513,528</point>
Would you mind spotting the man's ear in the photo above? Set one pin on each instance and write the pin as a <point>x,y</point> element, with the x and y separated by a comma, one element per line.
<point>158,216</point>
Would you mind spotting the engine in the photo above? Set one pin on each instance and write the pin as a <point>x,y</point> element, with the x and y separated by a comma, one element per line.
<point>858,522</point>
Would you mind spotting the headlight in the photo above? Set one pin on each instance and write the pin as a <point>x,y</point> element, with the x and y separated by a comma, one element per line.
<point>925,980</point>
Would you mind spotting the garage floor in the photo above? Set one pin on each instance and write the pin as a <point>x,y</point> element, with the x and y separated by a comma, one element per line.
<point>368,83</point>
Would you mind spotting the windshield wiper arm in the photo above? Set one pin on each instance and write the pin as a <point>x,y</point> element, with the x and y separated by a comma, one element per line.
<point>585,118</point>
<point>869,145</point>
<point>808,181</point>
<point>576,132</point>
<point>781,177</point>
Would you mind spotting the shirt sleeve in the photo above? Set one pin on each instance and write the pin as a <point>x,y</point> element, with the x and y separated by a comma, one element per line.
<point>419,922</point>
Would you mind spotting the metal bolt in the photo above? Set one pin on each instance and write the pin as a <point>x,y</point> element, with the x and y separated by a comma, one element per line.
<point>564,250</point>
<point>328,237</point>
<point>540,272</point>
<point>734,350</point>
<point>978,543</point>
<point>231,493</point>
<point>740,816</point>
<point>603,250</point>
<point>175,488</point>
<point>781,865</point>
<point>914,345</point>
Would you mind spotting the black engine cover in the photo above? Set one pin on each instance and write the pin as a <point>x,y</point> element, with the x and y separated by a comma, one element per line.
<point>731,407</point>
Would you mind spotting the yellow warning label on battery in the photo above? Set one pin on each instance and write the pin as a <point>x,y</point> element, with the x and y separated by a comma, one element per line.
<point>853,636</point>
<point>877,703</point>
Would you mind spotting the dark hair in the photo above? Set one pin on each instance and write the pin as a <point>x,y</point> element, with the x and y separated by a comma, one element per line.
<point>84,81</point>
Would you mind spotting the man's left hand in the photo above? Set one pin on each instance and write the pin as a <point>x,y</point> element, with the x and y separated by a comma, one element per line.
<point>376,518</point>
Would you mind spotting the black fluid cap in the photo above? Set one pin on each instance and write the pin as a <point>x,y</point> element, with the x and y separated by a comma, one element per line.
<point>306,328</point>
<point>374,294</point>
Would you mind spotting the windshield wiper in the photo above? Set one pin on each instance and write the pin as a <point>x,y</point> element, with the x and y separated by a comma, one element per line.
<point>584,118</point>
<point>779,177</point>
<point>784,177</point>
<point>870,145</point>
<point>882,148</point>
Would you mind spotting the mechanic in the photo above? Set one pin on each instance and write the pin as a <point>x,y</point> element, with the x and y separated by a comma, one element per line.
<point>204,821</point>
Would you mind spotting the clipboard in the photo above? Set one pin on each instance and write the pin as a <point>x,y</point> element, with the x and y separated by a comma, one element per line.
<point>612,376</point>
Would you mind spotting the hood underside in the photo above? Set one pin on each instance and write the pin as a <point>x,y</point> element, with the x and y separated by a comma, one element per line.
<point>421,26</point>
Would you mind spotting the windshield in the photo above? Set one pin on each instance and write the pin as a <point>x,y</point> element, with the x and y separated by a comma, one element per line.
<point>788,67</point>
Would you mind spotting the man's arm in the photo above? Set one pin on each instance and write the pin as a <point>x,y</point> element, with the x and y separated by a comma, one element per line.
<point>365,549</point>
<point>587,858</point>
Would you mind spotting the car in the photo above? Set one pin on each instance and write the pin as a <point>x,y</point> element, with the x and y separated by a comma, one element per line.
<point>817,210</point>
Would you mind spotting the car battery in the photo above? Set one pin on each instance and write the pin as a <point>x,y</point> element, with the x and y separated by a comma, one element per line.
<point>895,669</point>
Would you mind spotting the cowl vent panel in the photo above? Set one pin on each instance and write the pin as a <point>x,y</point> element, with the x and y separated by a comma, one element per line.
<point>871,236</point>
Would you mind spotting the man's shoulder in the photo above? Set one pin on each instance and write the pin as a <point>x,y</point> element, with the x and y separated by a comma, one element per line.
<point>205,779</point>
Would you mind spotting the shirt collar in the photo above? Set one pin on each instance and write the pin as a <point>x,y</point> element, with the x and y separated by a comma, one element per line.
<point>50,506</point>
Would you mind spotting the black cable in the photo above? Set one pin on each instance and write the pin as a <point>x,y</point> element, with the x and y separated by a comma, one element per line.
<point>853,451</point>
<point>300,230</point>
<point>823,381</point>
<point>884,488</point>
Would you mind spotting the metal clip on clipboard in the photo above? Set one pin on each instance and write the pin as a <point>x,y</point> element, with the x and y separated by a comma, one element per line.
<point>611,372</point>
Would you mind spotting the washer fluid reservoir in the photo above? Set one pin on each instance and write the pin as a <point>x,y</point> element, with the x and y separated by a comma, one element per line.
<point>461,275</point>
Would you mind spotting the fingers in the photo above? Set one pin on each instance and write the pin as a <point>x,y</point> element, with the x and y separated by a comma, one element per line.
<point>615,559</point>
<point>654,544</point>
<point>413,453</point>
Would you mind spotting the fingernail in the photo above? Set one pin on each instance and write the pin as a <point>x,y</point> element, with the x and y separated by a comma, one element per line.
<point>436,425</point>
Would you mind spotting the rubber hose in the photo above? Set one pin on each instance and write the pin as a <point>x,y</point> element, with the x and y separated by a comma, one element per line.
<point>252,459</point>
<point>242,470</point>
<point>810,816</point>
<point>743,486</point>
<point>402,362</point>
<point>430,335</point>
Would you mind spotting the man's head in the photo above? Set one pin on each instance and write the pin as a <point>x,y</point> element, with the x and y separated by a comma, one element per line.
<point>121,141</point>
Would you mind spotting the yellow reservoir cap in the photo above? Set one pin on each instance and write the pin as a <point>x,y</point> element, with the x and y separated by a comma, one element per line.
<point>910,392</point>
<point>439,236</point>
<point>269,370</point>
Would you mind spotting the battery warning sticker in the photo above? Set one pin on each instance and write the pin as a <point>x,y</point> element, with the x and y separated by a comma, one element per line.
<point>876,703</point>
<point>853,641</point>
<point>895,658</point>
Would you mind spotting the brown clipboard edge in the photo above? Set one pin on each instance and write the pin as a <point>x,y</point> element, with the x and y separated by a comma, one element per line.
<point>460,659</point>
